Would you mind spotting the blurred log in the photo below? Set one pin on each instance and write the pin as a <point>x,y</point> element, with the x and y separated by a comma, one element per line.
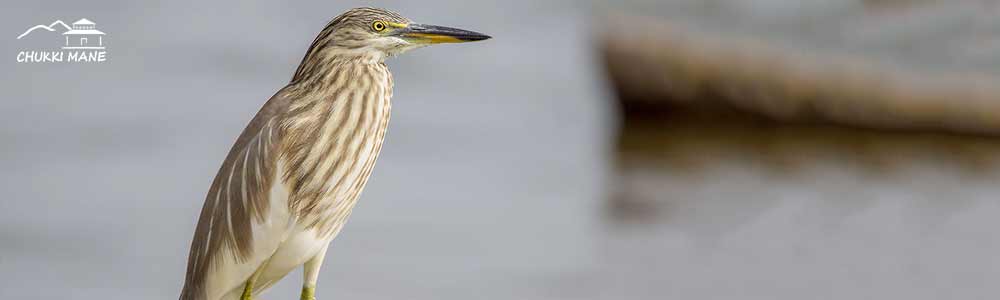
<point>703,107</point>
<point>665,67</point>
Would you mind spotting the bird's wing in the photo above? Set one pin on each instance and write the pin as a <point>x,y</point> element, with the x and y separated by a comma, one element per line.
<point>238,197</point>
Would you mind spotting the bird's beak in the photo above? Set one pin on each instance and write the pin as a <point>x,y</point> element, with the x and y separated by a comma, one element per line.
<point>432,34</point>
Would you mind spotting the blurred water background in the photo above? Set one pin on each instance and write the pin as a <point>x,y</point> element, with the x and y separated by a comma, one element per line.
<point>496,175</point>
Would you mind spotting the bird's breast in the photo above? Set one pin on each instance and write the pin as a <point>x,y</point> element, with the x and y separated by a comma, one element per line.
<point>338,153</point>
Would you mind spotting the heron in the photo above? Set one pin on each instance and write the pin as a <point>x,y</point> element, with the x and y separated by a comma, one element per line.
<point>293,176</point>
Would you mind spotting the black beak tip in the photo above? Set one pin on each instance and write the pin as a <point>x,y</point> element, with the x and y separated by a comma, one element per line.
<point>477,37</point>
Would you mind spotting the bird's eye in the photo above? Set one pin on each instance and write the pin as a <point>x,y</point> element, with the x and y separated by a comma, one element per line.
<point>378,26</point>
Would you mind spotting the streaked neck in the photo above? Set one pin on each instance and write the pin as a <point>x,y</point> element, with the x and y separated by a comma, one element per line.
<point>319,65</point>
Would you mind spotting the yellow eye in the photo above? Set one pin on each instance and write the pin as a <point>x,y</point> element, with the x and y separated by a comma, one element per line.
<point>378,26</point>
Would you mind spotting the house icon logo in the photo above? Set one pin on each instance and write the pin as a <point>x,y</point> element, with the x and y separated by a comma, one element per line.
<point>84,35</point>
<point>81,42</point>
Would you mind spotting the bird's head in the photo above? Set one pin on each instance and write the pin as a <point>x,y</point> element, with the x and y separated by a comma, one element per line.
<point>372,34</point>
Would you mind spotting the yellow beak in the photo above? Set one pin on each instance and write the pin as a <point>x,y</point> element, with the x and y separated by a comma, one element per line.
<point>432,34</point>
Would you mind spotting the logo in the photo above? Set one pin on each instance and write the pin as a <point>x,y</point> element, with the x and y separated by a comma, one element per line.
<point>81,42</point>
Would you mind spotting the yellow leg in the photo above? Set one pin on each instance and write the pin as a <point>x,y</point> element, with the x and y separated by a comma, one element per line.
<point>308,293</point>
<point>248,288</point>
<point>310,274</point>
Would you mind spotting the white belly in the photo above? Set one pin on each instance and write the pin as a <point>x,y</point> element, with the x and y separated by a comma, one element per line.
<point>281,244</point>
<point>300,246</point>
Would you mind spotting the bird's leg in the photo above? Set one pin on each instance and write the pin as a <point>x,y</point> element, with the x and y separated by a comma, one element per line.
<point>248,288</point>
<point>310,273</point>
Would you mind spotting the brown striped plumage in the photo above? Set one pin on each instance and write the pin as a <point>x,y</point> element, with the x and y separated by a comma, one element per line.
<point>310,150</point>
<point>333,145</point>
